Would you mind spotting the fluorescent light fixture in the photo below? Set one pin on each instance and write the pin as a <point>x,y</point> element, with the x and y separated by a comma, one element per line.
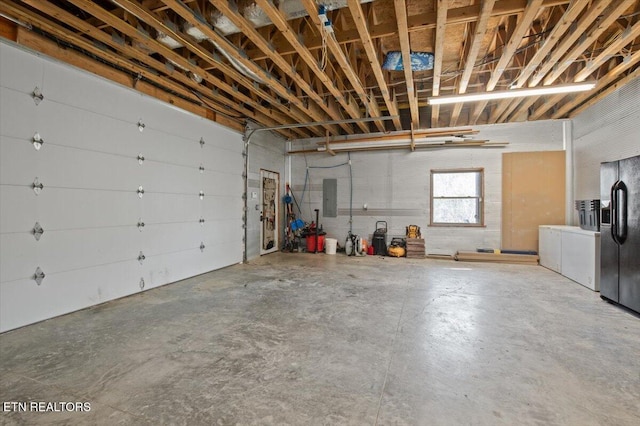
<point>514,93</point>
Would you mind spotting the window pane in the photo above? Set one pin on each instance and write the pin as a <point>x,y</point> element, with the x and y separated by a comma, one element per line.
<point>457,184</point>
<point>457,210</point>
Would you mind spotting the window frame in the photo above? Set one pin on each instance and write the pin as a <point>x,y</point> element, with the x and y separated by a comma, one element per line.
<point>480,198</point>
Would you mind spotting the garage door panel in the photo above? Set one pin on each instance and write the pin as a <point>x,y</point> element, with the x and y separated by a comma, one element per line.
<point>223,161</point>
<point>221,208</point>
<point>19,256</point>
<point>219,255</point>
<point>162,208</point>
<point>61,251</point>
<point>87,130</point>
<point>23,78</point>
<point>171,237</point>
<point>161,177</point>
<point>223,231</point>
<point>166,268</point>
<point>71,209</point>
<point>19,209</point>
<point>220,184</point>
<point>87,169</point>
<point>18,161</point>
<point>168,148</point>
<point>20,115</point>
<point>24,302</point>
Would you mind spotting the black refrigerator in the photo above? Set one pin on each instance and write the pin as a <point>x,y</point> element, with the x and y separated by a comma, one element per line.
<point>620,232</point>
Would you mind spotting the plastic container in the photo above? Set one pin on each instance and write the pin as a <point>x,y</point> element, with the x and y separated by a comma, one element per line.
<point>311,243</point>
<point>330,245</point>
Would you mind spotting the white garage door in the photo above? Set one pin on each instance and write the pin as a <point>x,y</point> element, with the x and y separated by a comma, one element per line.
<point>94,246</point>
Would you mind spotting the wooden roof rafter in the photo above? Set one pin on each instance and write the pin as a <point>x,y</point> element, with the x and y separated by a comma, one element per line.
<point>471,58</point>
<point>258,40</point>
<point>441,21</point>
<point>519,30</point>
<point>347,67</point>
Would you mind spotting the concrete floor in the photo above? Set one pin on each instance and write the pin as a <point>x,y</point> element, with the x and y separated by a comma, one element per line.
<point>308,339</point>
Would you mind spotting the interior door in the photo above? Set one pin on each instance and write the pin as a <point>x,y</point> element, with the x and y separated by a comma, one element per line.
<point>269,200</point>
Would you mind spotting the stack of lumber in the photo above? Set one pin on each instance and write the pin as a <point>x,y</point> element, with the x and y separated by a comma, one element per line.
<point>415,248</point>
<point>521,259</point>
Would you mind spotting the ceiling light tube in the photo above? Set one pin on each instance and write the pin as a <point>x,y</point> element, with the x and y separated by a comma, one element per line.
<point>514,93</point>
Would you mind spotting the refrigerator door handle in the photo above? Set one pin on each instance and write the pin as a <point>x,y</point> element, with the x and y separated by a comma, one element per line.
<point>614,212</point>
<point>621,211</point>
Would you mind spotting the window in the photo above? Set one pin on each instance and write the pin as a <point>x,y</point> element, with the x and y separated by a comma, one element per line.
<point>457,197</point>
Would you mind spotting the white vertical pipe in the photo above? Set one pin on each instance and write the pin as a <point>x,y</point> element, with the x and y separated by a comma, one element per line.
<point>567,141</point>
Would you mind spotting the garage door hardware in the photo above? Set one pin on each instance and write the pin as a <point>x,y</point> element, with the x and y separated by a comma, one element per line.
<point>201,142</point>
<point>140,191</point>
<point>37,186</point>
<point>38,276</point>
<point>37,95</point>
<point>37,141</point>
<point>141,125</point>
<point>202,195</point>
<point>141,283</point>
<point>141,257</point>
<point>201,221</point>
<point>201,169</point>
<point>201,246</point>
<point>140,159</point>
<point>37,231</point>
<point>140,225</point>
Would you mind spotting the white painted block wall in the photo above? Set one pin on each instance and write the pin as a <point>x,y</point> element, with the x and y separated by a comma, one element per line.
<point>395,185</point>
<point>607,131</point>
<point>89,207</point>
<point>266,151</point>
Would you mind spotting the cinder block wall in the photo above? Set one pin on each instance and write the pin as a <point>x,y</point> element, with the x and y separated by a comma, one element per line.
<point>395,185</point>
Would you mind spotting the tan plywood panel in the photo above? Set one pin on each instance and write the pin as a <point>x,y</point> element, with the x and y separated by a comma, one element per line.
<point>533,194</point>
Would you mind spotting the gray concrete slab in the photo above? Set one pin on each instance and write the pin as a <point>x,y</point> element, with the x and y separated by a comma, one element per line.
<point>317,339</point>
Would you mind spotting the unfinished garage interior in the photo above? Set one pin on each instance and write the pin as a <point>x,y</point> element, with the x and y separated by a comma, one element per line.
<point>329,212</point>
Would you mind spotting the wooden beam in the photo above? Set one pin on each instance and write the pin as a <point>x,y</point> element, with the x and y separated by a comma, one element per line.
<point>280,21</point>
<point>8,29</point>
<point>625,38</point>
<point>155,22</point>
<point>368,103</point>
<point>581,101</point>
<point>403,35</point>
<point>249,31</point>
<point>418,22</point>
<point>560,60</point>
<point>470,62</point>
<point>298,109</point>
<point>361,24</point>
<point>556,34</point>
<point>597,98</point>
<point>531,11</point>
<point>441,21</point>
<point>99,35</point>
